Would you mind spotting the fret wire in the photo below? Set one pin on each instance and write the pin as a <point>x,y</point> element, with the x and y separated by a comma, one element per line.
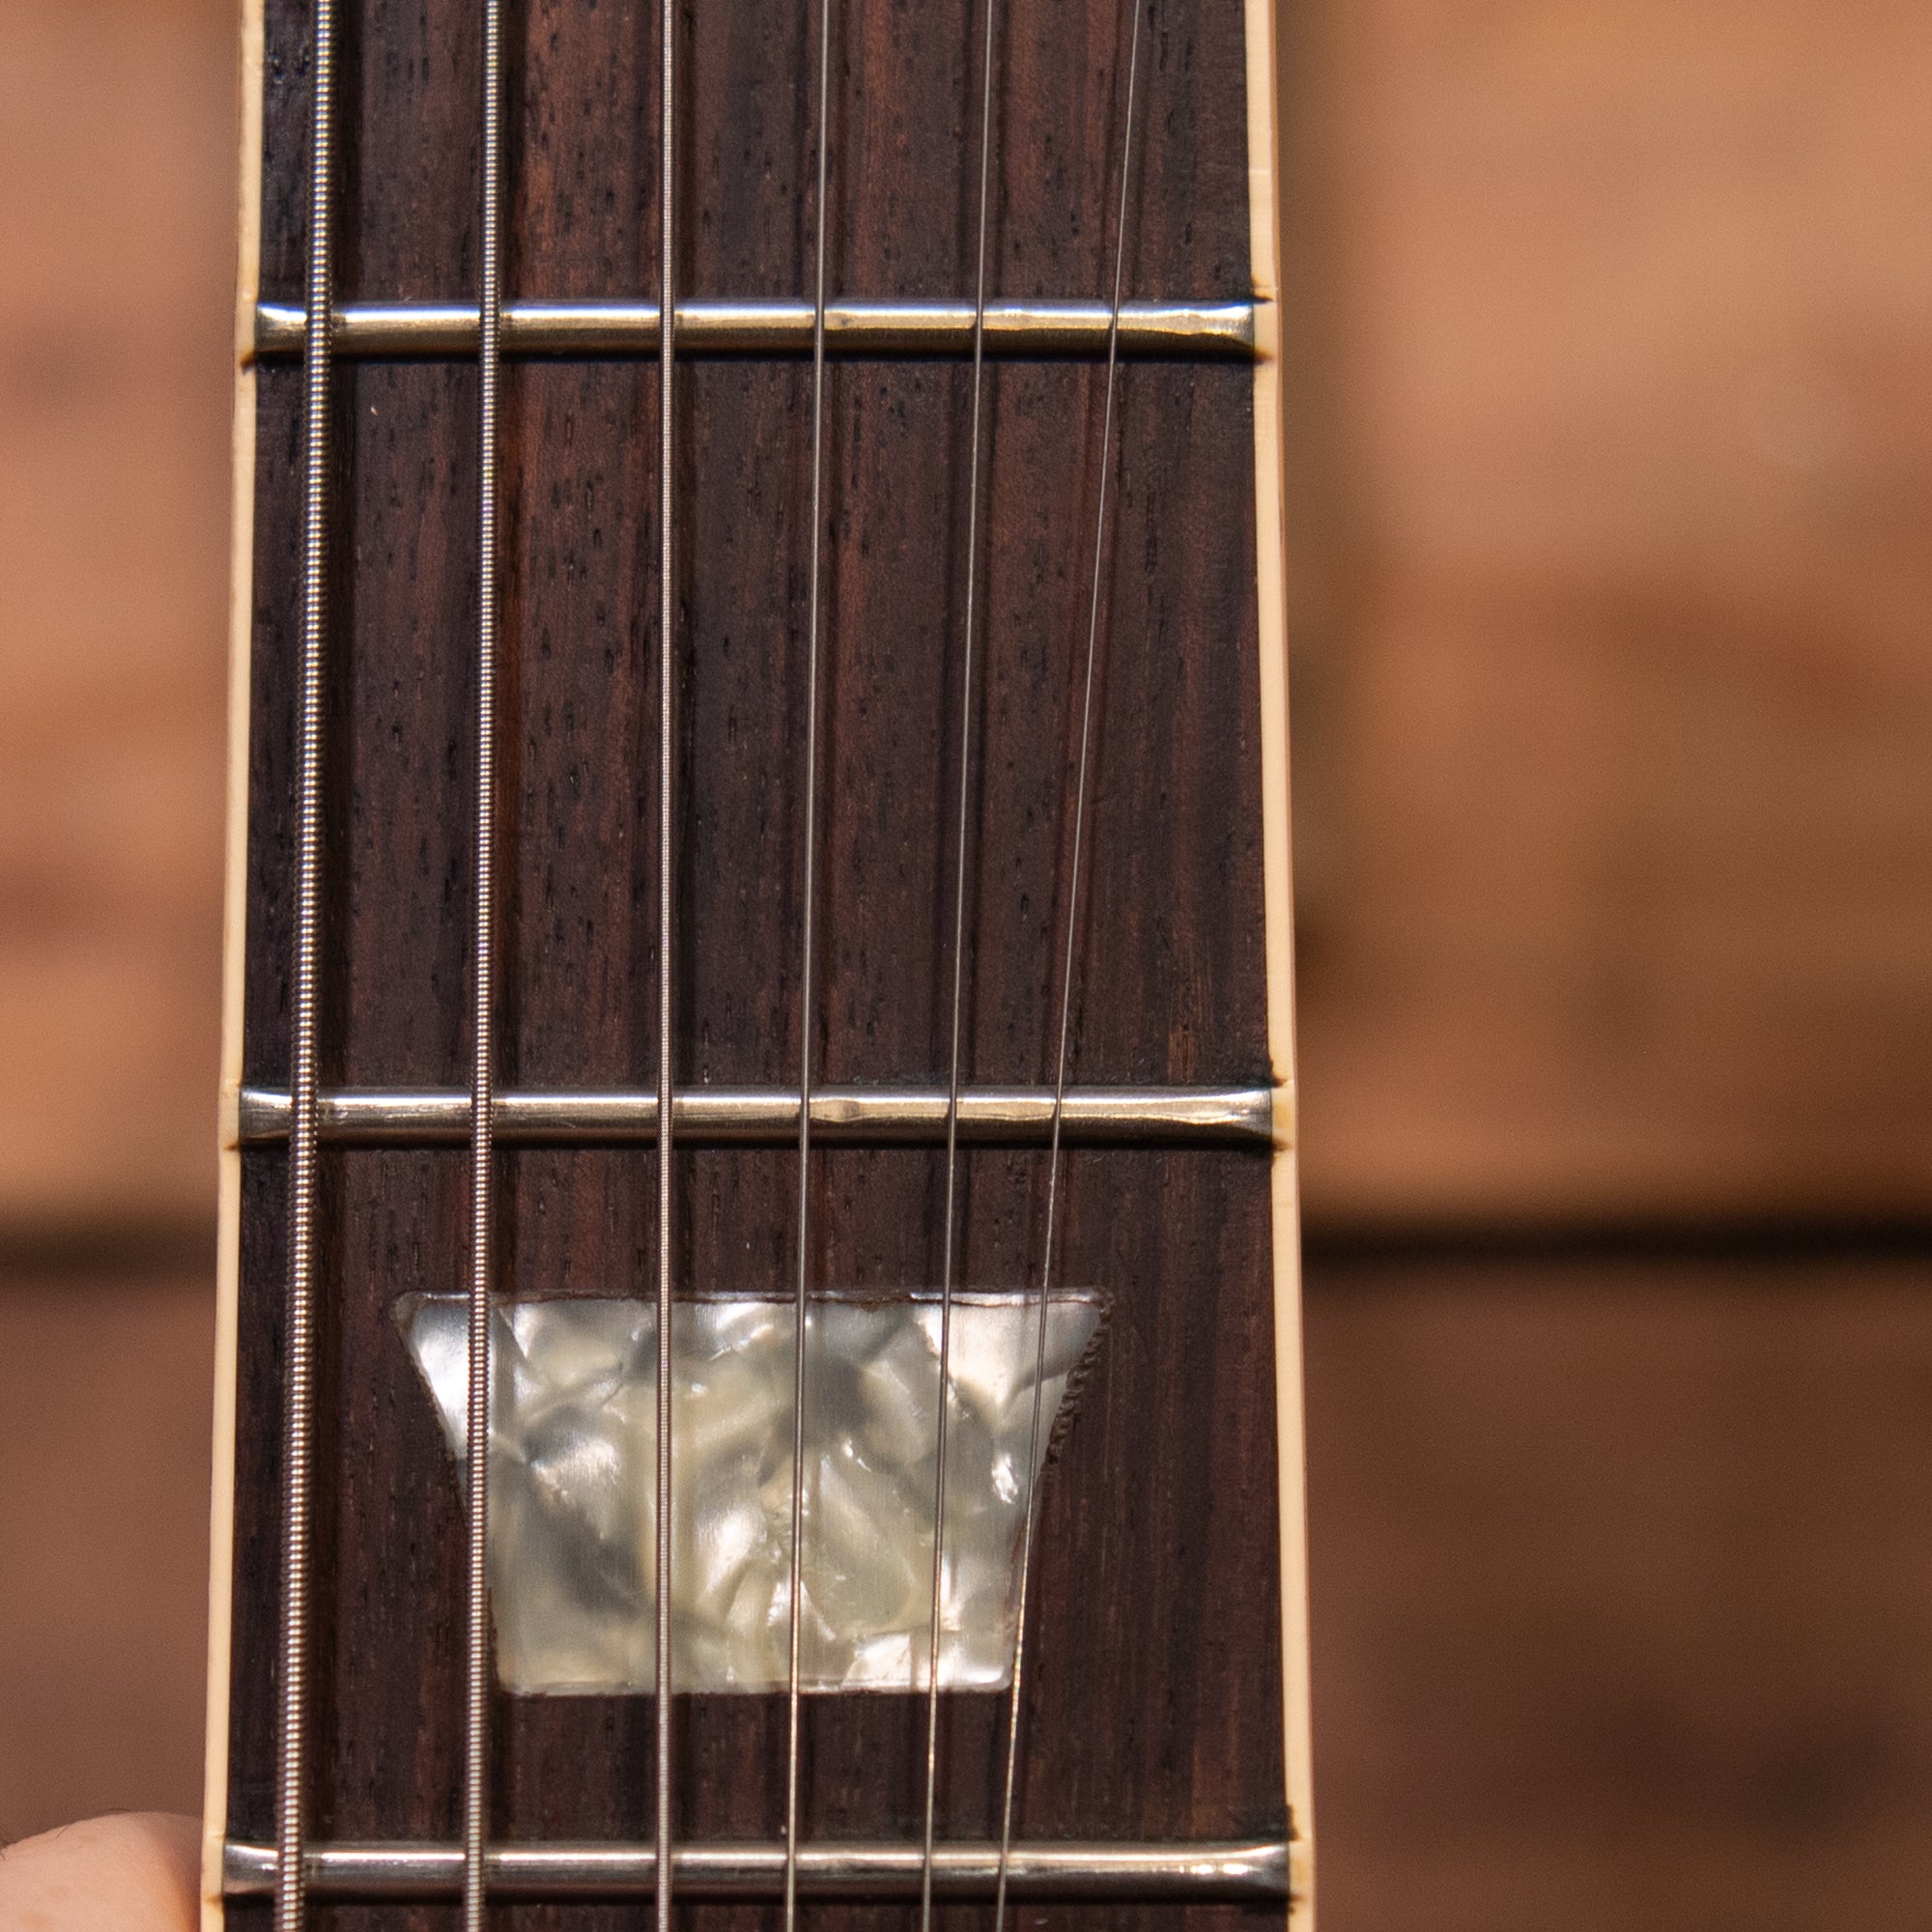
<point>290,1876</point>
<point>805,1014</point>
<point>482,1110</point>
<point>942,1429</point>
<point>667,669</point>
<point>1067,996</point>
<point>773,326</point>
<point>1253,1871</point>
<point>866,1115</point>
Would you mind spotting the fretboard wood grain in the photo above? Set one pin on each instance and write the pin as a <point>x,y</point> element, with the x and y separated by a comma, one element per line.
<point>1156,1659</point>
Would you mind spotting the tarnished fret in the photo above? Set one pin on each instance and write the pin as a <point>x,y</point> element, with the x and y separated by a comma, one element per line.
<point>731,325</point>
<point>1164,1117</point>
<point>1254,1871</point>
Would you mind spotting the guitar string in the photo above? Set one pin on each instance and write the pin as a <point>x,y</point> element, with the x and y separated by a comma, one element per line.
<point>805,1014</point>
<point>482,1156</point>
<point>317,358</point>
<point>1140,7</point>
<point>932,1654</point>
<point>667,672</point>
<point>291,1879</point>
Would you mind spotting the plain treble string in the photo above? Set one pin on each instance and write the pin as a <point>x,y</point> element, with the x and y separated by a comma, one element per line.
<point>958,984</point>
<point>1140,7</point>
<point>291,1895</point>
<point>806,1016</point>
<point>666,674</point>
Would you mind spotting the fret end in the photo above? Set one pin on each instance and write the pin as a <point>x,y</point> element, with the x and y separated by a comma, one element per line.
<point>1282,1115</point>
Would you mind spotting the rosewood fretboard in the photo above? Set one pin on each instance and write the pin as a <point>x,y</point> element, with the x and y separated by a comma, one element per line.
<point>1156,1672</point>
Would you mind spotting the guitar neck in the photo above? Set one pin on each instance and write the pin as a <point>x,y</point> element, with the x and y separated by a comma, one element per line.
<point>975,1007</point>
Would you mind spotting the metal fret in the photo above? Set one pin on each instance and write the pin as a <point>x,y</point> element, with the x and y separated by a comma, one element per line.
<point>768,1117</point>
<point>732,325</point>
<point>1253,1871</point>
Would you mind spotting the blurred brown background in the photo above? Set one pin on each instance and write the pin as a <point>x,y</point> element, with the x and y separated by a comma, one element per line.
<point>1612,429</point>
